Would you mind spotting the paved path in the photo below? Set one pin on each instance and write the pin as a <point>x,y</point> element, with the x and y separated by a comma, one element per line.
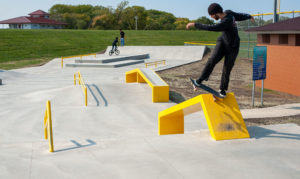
<point>116,136</point>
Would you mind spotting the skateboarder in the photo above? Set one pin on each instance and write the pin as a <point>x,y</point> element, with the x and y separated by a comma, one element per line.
<point>227,45</point>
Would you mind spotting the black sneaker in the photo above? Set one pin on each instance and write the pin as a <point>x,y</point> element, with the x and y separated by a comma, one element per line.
<point>222,93</point>
<point>195,83</point>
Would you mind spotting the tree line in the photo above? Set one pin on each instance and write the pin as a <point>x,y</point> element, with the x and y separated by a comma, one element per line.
<point>122,17</point>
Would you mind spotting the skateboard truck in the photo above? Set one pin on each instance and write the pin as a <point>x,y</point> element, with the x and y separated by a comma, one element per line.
<point>215,94</point>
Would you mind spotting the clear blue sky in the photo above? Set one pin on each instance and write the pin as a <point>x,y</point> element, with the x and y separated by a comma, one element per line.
<point>191,9</point>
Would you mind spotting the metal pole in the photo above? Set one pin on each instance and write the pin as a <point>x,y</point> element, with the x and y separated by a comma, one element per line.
<point>293,14</point>
<point>275,18</point>
<point>253,92</point>
<point>136,19</point>
<point>262,93</point>
<point>248,39</point>
<point>258,19</point>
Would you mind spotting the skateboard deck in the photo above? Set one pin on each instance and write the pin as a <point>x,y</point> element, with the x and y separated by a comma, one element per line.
<point>206,88</point>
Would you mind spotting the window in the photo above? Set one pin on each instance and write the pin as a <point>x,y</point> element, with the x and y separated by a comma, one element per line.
<point>283,38</point>
<point>266,38</point>
<point>297,39</point>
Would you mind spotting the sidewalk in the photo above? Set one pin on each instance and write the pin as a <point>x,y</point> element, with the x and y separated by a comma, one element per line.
<point>270,112</point>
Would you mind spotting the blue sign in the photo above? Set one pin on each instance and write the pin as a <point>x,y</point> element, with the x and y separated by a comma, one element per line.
<point>259,62</point>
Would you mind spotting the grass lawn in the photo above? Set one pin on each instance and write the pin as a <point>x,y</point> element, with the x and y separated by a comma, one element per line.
<point>22,48</point>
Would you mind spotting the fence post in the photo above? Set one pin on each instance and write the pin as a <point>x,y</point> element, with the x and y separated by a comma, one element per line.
<point>79,78</point>
<point>62,62</point>
<point>75,79</point>
<point>248,39</point>
<point>85,91</point>
<point>48,126</point>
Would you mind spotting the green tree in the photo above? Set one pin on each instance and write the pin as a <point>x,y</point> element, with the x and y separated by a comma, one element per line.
<point>119,12</point>
<point>128,18</point>
<point>160,20</point>
<point>181,23</point>
<point>204,20</point>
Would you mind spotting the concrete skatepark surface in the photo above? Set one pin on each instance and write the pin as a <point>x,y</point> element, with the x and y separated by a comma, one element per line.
<point>116,135</point>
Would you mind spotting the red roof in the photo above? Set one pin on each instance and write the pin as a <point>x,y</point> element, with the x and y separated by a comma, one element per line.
<point>39,12</point>
<point>31,20</point>
<point>287,25</point>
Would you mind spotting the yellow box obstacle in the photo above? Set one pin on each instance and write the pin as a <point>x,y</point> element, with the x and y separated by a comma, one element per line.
<point>223,117</point>
<point>48,126</point>
<point>160,89</point>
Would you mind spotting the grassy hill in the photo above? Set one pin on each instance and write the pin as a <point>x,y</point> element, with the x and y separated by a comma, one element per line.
<point>19,48</point>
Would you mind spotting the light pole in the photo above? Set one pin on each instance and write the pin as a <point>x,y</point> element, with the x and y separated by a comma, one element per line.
<point>136,19</point>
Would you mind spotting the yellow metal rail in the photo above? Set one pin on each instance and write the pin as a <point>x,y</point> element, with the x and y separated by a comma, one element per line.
<point>208,43</point>
<point>48,126</point>
<point>197,43</point>
<point>155,63</point>
<point>81,82</point>
<point>62,58</point>
<point>267,14</point>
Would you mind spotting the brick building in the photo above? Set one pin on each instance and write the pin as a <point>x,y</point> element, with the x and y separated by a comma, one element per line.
<point>283,54</point>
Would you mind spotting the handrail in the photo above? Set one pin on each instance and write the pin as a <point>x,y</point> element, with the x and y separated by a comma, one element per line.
<point>155,63</point>
<point>195,43</point>
<point>266,14</point>
<point>81,82</point>
<point>48,126</point>
<point>62,58</point>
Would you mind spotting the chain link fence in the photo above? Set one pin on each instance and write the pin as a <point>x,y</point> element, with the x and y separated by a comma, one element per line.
<point>249,40</point>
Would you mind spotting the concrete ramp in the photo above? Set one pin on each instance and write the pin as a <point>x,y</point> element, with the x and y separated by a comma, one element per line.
<point>165,52</point>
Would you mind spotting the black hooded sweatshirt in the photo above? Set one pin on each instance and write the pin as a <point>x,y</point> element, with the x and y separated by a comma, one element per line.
<point>228,26</point>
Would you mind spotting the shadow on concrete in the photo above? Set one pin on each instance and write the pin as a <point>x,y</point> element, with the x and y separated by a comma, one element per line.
<point>298,108</point>
<point>260,132</point>
<point>176,97</point>
<point>78,145</point>
<point>98,92</point>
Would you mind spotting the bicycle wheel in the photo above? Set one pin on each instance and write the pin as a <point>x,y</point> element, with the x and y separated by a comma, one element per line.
<point>110,52</point>
<point>117,52</point>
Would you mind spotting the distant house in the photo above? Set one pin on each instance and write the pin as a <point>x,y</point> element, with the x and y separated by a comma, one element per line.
<point>36,20</point>
<point>283,54</point>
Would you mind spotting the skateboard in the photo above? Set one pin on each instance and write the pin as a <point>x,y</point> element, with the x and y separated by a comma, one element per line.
<point>206,88</point>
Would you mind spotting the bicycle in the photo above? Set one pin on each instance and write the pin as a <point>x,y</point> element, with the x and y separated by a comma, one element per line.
<point>116,51</point>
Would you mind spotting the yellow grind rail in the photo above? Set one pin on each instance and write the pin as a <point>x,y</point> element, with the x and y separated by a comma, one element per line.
<point>223,117</point>
<point>48,126</point>
<point>267,14</point>
<point>62,58</point>
<point>197,43</point>
<point>159,93</point>
<point>155,63</point>
<point>81,82</point>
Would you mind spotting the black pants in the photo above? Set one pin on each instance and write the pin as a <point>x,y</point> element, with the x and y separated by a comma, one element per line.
<point>113,47</point>
<point>221,50</point>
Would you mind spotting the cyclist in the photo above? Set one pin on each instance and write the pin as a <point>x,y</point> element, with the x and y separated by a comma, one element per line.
<point>115,44</point>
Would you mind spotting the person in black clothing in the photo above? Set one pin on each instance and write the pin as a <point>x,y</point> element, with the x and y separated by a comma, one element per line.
<point>227,45</point>
<point>114,44</point>
<point>122,34</point>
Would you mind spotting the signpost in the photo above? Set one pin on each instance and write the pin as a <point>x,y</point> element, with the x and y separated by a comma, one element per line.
<point>259,69</point>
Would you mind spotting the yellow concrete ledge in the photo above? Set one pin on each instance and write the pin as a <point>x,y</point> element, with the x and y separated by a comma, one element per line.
<point>160,92</point>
